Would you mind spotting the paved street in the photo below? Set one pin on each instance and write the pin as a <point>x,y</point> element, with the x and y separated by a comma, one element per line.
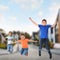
<point>33,55</point>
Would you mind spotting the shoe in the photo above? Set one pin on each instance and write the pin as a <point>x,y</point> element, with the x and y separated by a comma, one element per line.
<point>39,53</point>
<point>50,56</point>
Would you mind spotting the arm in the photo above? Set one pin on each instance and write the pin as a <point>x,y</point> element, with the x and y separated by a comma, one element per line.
<point>54,24</point>
<point>33,21</point>
<point>32,41</point>
<point>17,41</point>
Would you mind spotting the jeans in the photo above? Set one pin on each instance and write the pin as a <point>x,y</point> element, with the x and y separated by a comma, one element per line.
<point>10,48</point>
<point>44,41</point>
<point>24,51</point>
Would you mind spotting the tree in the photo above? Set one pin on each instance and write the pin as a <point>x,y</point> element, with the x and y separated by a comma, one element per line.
<point>27,35</point>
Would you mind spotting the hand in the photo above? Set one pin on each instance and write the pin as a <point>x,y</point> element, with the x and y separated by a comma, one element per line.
<point>13,42</point>
<point>30,18</point>
<point>36,41</point>
<point>53,25</point>
<point>33,21</point>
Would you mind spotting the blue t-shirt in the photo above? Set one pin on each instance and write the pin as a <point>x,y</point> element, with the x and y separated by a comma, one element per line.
<point>43,33</point>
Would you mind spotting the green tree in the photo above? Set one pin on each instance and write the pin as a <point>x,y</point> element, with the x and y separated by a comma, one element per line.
<point>27,35</point>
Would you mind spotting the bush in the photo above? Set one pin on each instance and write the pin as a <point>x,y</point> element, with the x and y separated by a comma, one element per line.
<point>51,44</point>
<point>3,46</point>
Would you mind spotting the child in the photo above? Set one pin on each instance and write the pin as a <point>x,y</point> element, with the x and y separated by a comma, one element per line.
<point>9,42</point>
<point>24,42</point>
<point>43,35</point>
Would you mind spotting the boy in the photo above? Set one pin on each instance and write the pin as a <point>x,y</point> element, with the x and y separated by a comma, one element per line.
<point>9,42</point>
<point>43,35</point>
<point>24,42</point>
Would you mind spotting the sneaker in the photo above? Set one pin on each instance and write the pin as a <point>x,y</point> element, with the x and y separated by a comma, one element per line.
<point>39,53</point>
<point>50,56</point>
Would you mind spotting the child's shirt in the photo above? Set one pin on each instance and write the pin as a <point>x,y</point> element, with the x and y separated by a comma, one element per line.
<point>24,43</point>
<point>9,39</point>
<point>43,31</point>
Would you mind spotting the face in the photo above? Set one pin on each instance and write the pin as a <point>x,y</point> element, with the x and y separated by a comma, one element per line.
<point>22,37</point>
<point>10,33</point>
<point>44,23</point>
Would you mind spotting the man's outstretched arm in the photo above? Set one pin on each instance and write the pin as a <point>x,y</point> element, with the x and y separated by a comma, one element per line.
<point>33,21</point>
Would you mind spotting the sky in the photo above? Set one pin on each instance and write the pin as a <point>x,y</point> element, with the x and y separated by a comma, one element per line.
<point>14,14</point>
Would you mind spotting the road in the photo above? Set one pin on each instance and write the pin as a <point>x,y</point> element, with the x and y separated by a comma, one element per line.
<point>33,55</point>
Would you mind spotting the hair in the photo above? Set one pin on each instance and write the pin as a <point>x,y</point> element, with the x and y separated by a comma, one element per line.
<point>23,34</point>
<point>44,20</point>
<point>10,32</point>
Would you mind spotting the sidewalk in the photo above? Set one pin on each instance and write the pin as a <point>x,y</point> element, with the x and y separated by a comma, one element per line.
<point>3,52</point>
<point>33,54</point>
<point>54,51</point>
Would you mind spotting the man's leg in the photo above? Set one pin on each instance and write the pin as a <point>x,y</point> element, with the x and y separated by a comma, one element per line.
<point>40,46</point>
<point>48,48</point>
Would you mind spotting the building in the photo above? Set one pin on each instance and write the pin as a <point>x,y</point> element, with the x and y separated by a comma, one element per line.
<point>2,34</point>
<point>57,28</point>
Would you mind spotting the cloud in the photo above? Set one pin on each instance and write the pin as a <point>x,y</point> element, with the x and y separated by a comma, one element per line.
<point>32,4</point>
<point>2,18</point>
<point>36,3</point>
<point>12,18</point>
<point>2,7</point>
<point>29,28</point>
<point>58,1</point>
<point>54,7</point>
<point>40,14</point>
